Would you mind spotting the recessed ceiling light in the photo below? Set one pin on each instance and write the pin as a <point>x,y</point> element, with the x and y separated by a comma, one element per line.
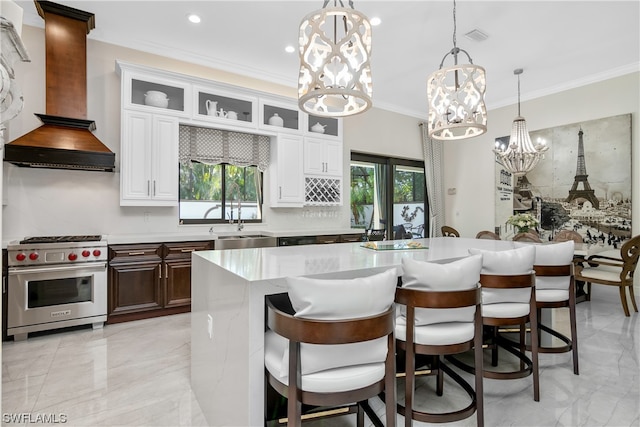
<point>375,21</point>
<point>476,35</point>
<point>289,49</point>
<point>193,18</point>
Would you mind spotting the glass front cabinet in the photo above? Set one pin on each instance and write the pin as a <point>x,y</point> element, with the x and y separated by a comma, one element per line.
<point>226,107</point>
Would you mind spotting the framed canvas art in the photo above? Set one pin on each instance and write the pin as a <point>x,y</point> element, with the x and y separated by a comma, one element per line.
<point>583,183</point>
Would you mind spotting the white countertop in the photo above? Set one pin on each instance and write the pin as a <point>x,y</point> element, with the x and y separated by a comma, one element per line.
<point>275,263</point>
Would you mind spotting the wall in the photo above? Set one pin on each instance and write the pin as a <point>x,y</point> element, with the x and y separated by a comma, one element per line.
<point>471,209</point>
<point>60,202</point>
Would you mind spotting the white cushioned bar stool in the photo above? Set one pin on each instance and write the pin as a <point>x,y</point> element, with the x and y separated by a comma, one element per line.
<point>440,314</point>
<point>330,343</point>
<point>509,299</point>
<point>555,288</point>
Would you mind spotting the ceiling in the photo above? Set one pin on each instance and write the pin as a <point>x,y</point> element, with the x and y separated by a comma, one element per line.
<point>559,44</point>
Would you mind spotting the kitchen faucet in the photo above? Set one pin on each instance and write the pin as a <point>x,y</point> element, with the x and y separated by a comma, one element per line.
<point>236,187</point>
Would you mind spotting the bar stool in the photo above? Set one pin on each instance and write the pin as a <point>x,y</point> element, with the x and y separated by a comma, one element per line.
<point>440,315</point>
<point>508,298</point>
<point>330,343</point>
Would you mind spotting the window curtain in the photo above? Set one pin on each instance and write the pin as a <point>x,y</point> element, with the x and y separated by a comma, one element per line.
<point>215,146</point>
<point>433,174</point>
<point>381,193</point>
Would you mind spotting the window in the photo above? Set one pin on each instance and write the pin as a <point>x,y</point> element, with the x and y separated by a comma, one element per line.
<point>388,193</point>
<point>214,193</point>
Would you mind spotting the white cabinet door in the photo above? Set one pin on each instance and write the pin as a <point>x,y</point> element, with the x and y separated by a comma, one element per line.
<point>164,163</point>
<point>148,160</point>
<point>135,168</point>
<point>287,179</point>
<point>322,157</point>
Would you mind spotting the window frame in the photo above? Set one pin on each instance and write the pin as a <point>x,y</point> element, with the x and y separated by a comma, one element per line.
<point>223,201</point>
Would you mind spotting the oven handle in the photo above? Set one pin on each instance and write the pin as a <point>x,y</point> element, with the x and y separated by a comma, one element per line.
<point>50,269</point>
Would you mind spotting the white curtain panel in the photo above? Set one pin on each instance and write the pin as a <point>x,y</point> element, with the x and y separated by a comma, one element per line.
<point>433,175</point>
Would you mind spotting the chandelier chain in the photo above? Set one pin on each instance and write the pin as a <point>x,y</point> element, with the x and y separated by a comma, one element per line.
<point>454,24</point>
<point>518,94</point>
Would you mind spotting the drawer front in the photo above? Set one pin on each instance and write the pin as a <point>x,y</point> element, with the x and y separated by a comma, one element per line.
<point>328,239</point>
<point>183,249</point>
<point>134,253</point>
<point>350,238</point>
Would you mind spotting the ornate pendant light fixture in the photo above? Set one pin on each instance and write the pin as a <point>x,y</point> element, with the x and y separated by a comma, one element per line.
<point>335,50</point>
<point>456,97</point>
<point>520,156</point>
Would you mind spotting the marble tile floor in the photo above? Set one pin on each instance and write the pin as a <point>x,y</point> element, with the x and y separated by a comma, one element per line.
<point>137,374</point>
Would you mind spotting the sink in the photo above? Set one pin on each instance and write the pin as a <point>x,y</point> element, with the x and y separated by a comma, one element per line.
<point>245,241</point>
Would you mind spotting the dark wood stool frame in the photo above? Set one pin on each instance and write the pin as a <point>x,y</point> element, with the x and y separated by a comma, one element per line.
<point>449,231</point>
<point>528,366</point>
<point>280,319</point>
<point>417,298</point>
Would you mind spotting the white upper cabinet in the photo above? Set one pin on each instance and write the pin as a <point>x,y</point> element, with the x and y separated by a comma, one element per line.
<point>148,160</point>
<point>322,157</point>
<point>221,106</point>
<point>287,178</point>
<point>280,117</point>
<point>324,127</point>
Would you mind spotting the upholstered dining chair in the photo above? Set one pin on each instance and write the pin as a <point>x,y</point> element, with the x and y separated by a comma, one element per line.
<point>564,235</point>
<point>449,231</point>
<point>331,343</point>
<point>508,298</point>
<point>555,288</point>
<point>440,315</point>
<point>612,268</point>
<point>486,234</point>
<point>527,237</point>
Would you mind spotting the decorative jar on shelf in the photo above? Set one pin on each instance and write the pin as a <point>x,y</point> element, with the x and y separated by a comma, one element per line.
<point>318,128</point>
<point>276,120</point>
<point>156,98</point>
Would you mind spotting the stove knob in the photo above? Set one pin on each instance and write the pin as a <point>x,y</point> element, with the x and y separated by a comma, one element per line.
<point>21,257</point>
<point>97,252</point>
<point>73,256</point>
<point>33,256</point>
<point>86,253</point>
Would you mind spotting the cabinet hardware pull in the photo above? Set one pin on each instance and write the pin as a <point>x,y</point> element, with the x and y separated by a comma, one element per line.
<point>280,192</point>
<point>148,188</point>
<point>136,253</point>
<point>166,271</point>
<point>160,271</point>
<point>188,250</point>
<point>154,188</point>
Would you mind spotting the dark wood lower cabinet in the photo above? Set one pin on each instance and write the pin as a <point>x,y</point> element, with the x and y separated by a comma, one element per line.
<point>150,280</point>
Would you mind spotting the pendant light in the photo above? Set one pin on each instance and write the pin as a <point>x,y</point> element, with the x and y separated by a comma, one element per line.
<point>335,50</point>
<point>520,156</point>
<point>456,97</point>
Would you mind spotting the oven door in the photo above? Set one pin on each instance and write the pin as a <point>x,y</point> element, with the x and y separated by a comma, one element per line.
<point>44,295</point>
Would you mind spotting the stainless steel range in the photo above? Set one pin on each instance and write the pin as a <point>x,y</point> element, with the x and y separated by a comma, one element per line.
<point>56,282</point>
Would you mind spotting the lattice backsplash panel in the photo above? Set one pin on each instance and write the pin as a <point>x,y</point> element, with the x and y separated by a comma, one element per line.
<point>322,191</point>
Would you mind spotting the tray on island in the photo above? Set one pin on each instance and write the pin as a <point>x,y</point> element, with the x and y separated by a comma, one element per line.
<point>393,246</point>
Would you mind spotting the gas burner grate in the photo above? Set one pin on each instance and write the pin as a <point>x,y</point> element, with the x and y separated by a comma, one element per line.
<point>61,239</point>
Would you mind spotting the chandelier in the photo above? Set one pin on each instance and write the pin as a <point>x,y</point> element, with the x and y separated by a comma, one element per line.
<point>335,50</point>
<point>520,156</point>
<point>456,97</point>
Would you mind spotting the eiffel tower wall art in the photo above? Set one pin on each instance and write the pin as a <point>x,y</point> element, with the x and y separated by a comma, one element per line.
<point>582,184</point>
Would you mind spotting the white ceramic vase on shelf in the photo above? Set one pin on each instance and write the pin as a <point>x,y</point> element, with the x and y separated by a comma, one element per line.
<point>276,120</point>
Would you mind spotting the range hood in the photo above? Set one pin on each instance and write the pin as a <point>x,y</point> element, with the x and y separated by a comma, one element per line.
<point>65,140</point>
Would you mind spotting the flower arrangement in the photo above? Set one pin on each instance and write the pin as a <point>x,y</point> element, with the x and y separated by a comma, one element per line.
<point>523,222</point>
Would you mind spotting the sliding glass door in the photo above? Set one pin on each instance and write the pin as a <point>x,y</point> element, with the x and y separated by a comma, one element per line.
<point>388,194</point>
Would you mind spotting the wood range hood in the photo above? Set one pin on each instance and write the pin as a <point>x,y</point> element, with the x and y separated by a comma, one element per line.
<point>65,140</point>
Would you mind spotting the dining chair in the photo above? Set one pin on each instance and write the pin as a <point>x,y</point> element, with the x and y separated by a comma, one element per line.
<point>527,237</point>
<point>449,231</point>
<point>486,234</point>
<point>612,268</point>
<point>508,298</point>
<point>328,351</point>
<point>555,288</point>
<point>564,235</point>
<point>440,315</point>
<point>418,231</point>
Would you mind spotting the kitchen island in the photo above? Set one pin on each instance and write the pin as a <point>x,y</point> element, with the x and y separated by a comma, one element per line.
<point>227,319</point>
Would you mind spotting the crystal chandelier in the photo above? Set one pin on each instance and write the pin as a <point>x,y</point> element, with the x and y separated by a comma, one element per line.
<point>335,50</point>
<point>456,97</point>
<point>520,156</point>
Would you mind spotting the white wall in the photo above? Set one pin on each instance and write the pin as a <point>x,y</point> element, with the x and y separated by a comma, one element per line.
<point>469,164</point>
